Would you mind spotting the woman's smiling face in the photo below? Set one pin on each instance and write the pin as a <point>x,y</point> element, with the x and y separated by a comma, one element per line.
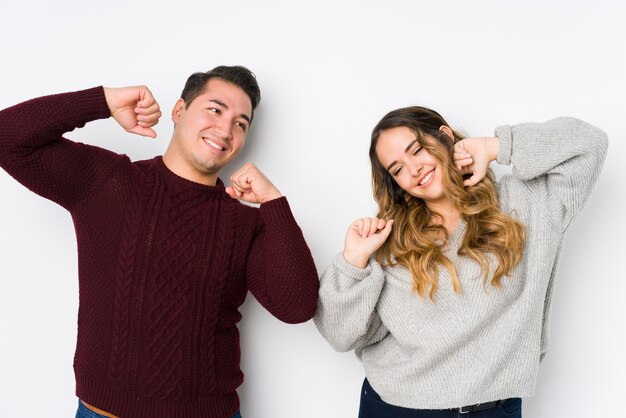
<point>413,167</point>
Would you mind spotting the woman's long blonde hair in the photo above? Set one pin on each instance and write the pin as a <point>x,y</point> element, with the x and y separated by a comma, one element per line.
<point>417,242</point>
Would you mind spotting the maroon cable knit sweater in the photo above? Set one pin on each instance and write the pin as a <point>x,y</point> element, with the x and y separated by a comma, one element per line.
<point>164,264</point>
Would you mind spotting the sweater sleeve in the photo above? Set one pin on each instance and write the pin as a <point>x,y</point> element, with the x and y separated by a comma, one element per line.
<point>556,164</point>
<point>34,151</point>
<point>280,271</point>
<point>346,314</point>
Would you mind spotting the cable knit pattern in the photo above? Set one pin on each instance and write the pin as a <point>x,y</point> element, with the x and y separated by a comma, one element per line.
<point>220,266</point>
<point>486,343</point>
<point>170,297</point>
<point>162,265</point>
<point>126,269</point>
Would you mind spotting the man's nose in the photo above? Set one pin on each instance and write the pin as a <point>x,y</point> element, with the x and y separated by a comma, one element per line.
<point>223,129</point>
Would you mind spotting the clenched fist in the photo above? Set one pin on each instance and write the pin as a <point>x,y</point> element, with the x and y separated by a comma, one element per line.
<point>134,108</point>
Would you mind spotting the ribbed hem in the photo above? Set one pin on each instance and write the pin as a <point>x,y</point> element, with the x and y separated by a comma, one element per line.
<point>350,270</point>
<point>504,134</point>
<point>126,405</point>
<point>91,104</point>
<point>277,211</point>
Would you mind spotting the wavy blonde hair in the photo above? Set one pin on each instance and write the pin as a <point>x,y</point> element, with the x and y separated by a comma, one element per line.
<point>416,241</point>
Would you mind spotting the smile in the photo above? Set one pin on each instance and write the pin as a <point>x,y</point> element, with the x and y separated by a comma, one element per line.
<point>427,178</point>
<point>213,144</point>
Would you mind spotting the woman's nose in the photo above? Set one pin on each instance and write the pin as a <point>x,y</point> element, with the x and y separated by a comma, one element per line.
<point>415,168</point>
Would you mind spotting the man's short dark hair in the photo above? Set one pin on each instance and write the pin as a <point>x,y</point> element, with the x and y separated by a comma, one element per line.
<point>236,74</point>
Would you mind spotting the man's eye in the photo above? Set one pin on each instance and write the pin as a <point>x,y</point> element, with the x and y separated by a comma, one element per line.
<point>215,110</point>
<point>242,125</point>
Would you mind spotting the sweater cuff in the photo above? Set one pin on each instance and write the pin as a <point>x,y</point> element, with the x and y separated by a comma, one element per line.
<point>91,104</point>
<point>277,212</point>
<point>351,271</point>
<point>506,138</point>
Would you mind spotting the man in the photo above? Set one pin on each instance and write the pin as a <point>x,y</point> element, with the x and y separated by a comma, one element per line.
<point>166,252</point>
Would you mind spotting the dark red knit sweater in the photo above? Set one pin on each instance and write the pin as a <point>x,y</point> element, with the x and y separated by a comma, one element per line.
<point>164,264</point>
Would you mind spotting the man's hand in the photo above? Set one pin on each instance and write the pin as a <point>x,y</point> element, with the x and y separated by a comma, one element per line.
<point>134,108</point>
<point>473,155</point>
<point>251,185</point>
<point>364,237</point>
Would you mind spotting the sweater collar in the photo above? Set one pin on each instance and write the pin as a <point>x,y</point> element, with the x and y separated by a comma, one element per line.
<point>182,183</point>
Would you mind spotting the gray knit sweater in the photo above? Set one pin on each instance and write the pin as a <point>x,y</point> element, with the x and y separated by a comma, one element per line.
<point>485,343</point>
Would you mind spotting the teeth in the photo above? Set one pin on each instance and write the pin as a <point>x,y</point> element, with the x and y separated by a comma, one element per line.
<point>213,144</point>
<point>427,178</point>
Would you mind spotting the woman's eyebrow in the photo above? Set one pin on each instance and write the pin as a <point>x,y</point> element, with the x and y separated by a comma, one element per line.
<point>405,150</point>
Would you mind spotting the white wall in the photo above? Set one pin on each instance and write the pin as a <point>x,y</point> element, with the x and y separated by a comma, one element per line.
<point>328,71</point>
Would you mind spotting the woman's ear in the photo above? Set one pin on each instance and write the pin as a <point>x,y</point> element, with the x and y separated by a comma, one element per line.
<point>446,129</point>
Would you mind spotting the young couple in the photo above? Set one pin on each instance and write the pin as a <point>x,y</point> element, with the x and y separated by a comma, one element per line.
<point>444,295</point>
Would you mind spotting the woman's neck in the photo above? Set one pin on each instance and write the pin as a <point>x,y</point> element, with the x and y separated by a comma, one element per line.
<point>449,216</point>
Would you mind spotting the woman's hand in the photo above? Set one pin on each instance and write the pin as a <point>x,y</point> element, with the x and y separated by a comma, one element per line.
<point>473,155</point>
<point>364,237</point>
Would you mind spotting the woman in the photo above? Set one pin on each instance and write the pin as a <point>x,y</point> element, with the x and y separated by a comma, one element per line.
<point>445,295</point>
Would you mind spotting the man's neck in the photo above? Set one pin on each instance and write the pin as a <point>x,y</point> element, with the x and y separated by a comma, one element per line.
<point>182,169</point>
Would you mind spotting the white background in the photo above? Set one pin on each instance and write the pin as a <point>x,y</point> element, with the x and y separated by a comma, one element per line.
<point>328,71</point>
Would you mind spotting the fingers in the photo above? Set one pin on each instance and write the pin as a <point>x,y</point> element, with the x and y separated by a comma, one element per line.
<point>361,242</point>
<point>242,178</point>
<point>460,146</point>
<point>462,158</point>
<point>475,179</point>
<point>387,229</point>
<point>366,227</point>
<point>465,170</point>
<point>463,163</point>
<point>254,185</point>
<point>357,226</point>
<point>232,192</point>
<point>134,108</point>
<point>374,226</point>
<point>471,181</point>
<point>460,154</point>
<point>143,131</point>
<point>241,183</point>
<point>147,109</point>
<point>148,115</point>
<point>146,98</point>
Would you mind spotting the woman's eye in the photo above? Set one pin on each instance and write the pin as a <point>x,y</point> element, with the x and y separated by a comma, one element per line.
<point>418,149</point>
<point>395,173</point>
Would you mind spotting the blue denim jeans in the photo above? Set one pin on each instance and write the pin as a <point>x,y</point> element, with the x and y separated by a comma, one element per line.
<point>372,406</point>
<point>84,412</point>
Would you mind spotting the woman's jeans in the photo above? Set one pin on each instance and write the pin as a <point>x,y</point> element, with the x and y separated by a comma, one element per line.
<point>84,412</point>
<point>372,406</point>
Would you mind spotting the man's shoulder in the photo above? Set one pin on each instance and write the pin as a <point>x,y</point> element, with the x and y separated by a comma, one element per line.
<point>244,208</point>
<point>244,215</point>
<point>145,169</point>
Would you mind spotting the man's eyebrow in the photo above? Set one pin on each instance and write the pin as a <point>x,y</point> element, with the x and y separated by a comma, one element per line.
<point>405,150</point>
<point>219,102</point>
<point>225,106</point>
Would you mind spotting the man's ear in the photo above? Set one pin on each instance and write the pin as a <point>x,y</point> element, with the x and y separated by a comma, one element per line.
<point>179,106</point>
<point>446,129</point>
